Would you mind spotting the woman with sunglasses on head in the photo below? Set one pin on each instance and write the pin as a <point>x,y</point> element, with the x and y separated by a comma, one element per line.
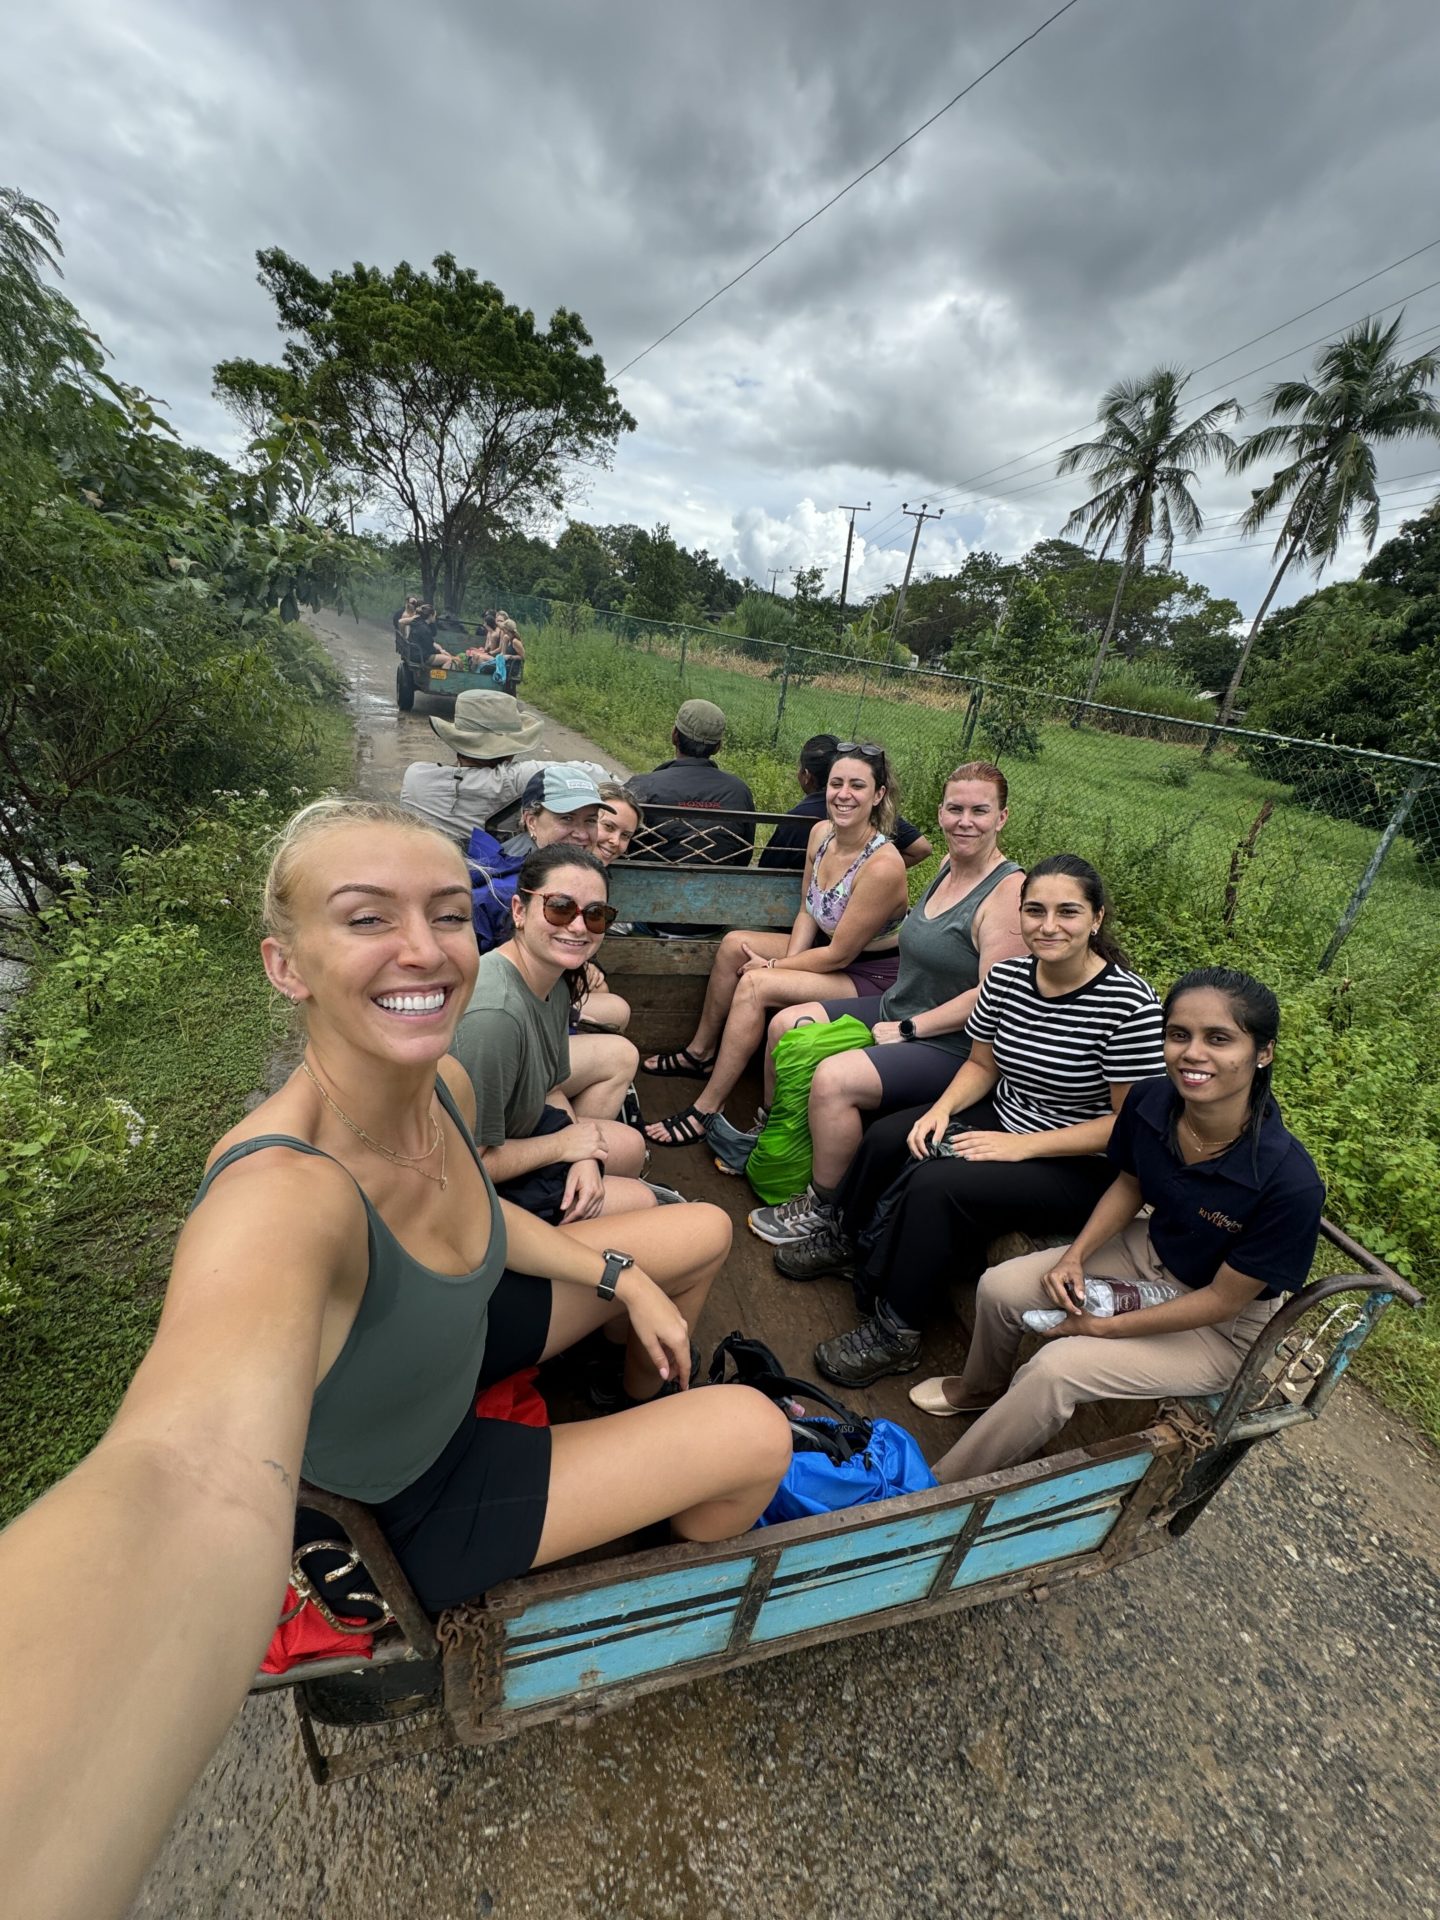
<point>545,1102</point>
<point>1017,1140</point>
<point>1235,1205</point>
<point>842,944</point>
<point>346,1280</point>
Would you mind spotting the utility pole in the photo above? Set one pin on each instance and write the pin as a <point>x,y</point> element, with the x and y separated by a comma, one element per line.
<point>849,542</point>
<point>919,516</point>
<point>775,573</point>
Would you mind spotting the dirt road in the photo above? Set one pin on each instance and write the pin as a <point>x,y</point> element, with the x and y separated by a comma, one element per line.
<point>1244,1724</point>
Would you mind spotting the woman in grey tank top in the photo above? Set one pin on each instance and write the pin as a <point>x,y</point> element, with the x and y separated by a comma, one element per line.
<point>346,1279</point>
<point>967,920</point>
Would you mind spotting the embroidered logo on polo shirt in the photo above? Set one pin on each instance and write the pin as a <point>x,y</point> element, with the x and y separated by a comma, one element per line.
<point>1221,1220</point>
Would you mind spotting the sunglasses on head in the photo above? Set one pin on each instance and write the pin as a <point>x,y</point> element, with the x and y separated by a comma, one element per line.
<point>859,749</point>
<point>561,908</point>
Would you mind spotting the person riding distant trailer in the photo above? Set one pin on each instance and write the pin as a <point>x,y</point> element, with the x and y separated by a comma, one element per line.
<point>402,617</point>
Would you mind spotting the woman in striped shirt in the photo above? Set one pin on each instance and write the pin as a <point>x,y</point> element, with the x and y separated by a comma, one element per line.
<point>1017,1140</point>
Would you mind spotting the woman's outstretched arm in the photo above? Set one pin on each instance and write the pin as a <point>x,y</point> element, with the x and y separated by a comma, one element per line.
<point>142,1590</point>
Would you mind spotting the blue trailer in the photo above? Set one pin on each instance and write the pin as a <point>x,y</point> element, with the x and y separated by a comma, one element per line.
<point>571,1641</point>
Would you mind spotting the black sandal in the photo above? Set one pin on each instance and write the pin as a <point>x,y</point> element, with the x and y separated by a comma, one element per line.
<point>679,1065</point>
<point>684,1129</point>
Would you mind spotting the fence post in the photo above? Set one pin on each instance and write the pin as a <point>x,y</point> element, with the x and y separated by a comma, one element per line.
<point>780,710</point>
<point>860,703</point>
<point>972,714</point>
<point>1377,860</point>
<point>684,642</point>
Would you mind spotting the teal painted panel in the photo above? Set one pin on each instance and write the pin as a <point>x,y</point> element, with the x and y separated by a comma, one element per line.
<point>653,1646</point>
<point>1015,1552</point>
<point>936,1528</point>
<point>844,1577</point>
<point>1067,1489</point>
<point>704,896</point>
<point>846,1593</point>
<point>582,1612</point>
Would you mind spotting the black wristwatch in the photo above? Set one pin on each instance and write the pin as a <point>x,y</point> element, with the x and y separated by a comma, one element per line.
<point>907,1030</point>
<point>615,1265</point>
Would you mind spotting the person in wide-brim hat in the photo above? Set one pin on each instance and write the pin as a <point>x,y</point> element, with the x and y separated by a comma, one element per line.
<point>494,739</point>
<point>489,726</point>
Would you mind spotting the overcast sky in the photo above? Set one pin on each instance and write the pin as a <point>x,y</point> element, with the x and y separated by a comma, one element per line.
<point>1144,182</point>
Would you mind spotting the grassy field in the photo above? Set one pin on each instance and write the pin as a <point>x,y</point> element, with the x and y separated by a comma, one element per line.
<point>1357,1073</point>
<point>187,1065</point>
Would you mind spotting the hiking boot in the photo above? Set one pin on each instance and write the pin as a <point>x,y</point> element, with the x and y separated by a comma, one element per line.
<point>868,1352</point>
<point>828,1250</point>
<point>793,1220</point>
<point>729,1147</point>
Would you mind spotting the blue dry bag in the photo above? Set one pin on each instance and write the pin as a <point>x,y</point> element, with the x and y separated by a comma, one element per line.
<point>841,1459</point>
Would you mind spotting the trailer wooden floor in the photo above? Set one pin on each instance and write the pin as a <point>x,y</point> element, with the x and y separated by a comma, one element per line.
<point>752,1297</point>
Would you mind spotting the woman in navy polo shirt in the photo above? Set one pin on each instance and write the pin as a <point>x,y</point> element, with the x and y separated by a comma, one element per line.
<point>1235,1204</point>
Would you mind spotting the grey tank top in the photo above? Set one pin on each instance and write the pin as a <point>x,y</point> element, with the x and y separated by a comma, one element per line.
<point>401,1384</point>
<point>939,958</point>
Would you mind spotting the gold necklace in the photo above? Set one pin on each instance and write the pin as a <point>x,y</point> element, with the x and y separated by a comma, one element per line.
<point>411,1160</point>
<point>1208,1146</point>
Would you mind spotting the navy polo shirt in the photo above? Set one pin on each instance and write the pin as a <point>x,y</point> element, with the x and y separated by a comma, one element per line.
<point>786,846</point>
<point>1259,1213</point>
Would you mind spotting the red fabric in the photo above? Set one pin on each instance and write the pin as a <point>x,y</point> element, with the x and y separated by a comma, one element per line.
<point>514,1398</point>
<point>309,1636</point>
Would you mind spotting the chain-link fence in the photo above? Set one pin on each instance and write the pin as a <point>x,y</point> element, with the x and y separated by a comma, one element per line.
<point>1268,841</point>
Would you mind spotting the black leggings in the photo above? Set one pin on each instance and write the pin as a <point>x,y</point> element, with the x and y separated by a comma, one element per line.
<point>939,1216</point>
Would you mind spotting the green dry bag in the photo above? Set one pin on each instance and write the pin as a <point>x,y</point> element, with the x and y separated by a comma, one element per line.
<point>780,1164</point>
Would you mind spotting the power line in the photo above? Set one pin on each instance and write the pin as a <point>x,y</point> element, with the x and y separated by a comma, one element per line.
<point>984,473</point>
<point>1040,486</point>
<point>873,168</point>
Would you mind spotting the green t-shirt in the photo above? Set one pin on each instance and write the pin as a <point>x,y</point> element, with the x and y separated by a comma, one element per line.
<point>515,1048</point>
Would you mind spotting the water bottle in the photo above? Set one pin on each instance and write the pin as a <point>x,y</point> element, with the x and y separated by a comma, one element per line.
<point>1104,1297</point>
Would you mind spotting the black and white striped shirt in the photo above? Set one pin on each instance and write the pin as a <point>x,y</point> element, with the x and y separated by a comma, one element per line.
<point>1059,1058</point>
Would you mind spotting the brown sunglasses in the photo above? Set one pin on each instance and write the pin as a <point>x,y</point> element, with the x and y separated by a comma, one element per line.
<point>560,910</point>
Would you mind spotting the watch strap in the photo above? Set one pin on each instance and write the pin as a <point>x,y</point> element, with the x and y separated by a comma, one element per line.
<point>615,1265</point>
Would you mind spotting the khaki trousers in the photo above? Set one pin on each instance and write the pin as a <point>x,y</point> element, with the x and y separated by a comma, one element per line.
<point>1067,1372</point>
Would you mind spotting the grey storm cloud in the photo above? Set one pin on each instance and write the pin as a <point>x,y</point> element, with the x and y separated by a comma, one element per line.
<point>1142,183</point>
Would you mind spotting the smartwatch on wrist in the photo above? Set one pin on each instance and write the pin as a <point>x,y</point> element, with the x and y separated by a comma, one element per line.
<point>615,1265</point>
<point>907,1030</point>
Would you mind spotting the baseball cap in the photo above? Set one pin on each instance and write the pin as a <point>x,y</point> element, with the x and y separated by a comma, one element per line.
<point>561,787</point>
<point>701,720</point>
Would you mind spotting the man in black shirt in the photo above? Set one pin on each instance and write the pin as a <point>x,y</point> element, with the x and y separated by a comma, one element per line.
<point>785,849</point>
<point>692,779</point>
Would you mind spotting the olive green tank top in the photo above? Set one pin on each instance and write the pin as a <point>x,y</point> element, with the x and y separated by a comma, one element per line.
<point>401,1384</point>
<point>939,959</point>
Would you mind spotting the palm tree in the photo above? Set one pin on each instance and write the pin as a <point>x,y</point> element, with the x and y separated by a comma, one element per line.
<point>1145,460</point>
<point>1361,395</point>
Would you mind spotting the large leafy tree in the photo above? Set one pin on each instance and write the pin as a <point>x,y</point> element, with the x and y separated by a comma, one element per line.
<point>454,408</point>
<point>142,664</point>
<point>1325,429</point>
<point>1145,462</point>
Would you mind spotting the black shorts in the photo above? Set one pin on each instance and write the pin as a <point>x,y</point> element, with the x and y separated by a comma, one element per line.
<point>542,1190</point>
<point>475,1516</point>
<point>912,1072</point>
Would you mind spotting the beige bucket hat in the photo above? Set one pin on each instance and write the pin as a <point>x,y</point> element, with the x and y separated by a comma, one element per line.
<point>489,726</point>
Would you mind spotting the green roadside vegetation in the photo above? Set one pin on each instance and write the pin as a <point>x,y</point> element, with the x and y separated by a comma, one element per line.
<point>161,1004</point>
<point>1358,1075</point>
<point>163,709</point>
